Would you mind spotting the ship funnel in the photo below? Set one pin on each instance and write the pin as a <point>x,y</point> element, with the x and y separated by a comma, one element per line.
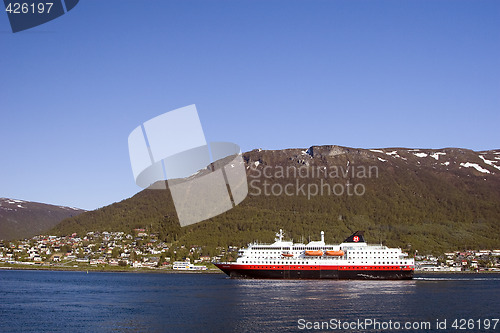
<point>323,236</point>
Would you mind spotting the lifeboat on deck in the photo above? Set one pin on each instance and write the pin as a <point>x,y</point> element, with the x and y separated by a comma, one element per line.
<point>286,254</point>
<point>314,253</point>
<point>339,253</point>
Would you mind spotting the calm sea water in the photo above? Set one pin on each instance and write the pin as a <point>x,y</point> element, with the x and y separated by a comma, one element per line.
<point>43,301</point>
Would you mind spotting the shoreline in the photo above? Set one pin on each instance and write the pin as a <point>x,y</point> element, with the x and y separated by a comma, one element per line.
<point>455,272</point>
<point>172,271</point>
<point>108,270</point>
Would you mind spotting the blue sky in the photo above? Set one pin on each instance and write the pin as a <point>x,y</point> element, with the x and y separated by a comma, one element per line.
<point>263,74</point>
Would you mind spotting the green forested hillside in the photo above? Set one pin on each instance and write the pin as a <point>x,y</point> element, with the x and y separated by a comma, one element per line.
<point>414,201</point>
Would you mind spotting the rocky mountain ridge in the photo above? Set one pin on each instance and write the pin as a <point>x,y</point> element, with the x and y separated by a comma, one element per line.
<point>23,219</point>
<point>433,199</point>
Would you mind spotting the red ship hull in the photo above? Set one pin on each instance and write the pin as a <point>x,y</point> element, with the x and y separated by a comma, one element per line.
<point>389,272</point>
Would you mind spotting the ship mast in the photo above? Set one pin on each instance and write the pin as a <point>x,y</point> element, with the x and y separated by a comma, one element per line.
<point>279,235</point>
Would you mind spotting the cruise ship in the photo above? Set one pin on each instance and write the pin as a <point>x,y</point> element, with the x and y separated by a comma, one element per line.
<point>352,259</point>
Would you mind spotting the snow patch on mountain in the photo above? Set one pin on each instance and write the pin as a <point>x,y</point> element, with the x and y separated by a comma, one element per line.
<point>421,154</point>
<point>72,208</point>
<point>12,201</point>
<point>490,163</point>
<point>475,166</point>
<point>6,202</point>
<point>436,155</point>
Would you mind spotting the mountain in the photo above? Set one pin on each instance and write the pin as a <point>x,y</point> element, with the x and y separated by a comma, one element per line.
<point>419,199</point>
<point>23,219</point>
